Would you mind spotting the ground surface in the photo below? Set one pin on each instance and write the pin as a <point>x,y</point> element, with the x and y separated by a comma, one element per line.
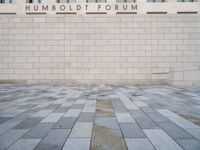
<point>99,117</point>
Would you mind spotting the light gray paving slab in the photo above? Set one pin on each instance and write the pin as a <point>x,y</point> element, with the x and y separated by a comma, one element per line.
<point>183,123</point>
<point>161,140</point>
<point>124,117</point>
<point>72,113</point>
<point>77,144</point>
<point>140,104</point>
<point>194,132</point>
<point>177,119</point>
<point>108,122</point>
<point>126,101</point>
<point>138,144</point>
<point>53,117</point>
<point>90,103</point>
<point>82,130</point>
<point>80,101</point>
<point>167,113</point>
<point>67,104</point>
<point>24,144</point>
<point>89,109</point>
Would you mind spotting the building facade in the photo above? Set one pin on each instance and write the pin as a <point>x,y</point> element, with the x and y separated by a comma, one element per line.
<point>100,41</point>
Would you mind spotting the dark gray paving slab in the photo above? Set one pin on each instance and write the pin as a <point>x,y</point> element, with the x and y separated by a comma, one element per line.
<point>147,109</point>
<point>28,106</point>
<point>118,106</point>
<point>77,106</point>
<point>139,144</point>
<point>174,131</point>
<point>4,119</point>
<point>61,109</point>
<point>29,123</point>
<point>39,131</point>
<point>24,144</point>
<point>66,123</point>
<point>54,140</point>
<point>86,117</point>
<point>146,123</point>
<point>189,144</point>
<point>157,117</point>
<point>138,113</point>
<point>52,106</point>
<point>6,126</point>
<point>10,137</point>
<point>131,130</point>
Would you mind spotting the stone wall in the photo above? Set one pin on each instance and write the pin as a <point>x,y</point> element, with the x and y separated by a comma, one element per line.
<point>134,49</point>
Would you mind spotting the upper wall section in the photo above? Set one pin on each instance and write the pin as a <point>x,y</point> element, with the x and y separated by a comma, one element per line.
<point>111,7</point>
<point>133,49</point>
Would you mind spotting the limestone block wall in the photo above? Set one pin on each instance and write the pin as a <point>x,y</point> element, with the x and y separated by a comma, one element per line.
<point>133,49</point>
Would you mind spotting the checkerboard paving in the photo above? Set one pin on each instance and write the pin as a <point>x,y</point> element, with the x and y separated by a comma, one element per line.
<point>83,117</point>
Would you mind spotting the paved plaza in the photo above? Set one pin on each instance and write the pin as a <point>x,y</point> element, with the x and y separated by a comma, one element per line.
<point>83,117</point>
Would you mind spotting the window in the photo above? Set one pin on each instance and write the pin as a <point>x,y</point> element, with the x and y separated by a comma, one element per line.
<point>65,1</point>
<point>35,1</point>
<point>156,1</point>
<point>185,0</point>
<point>126,1</point>
<point>7,1</point>
<point>96,1</point>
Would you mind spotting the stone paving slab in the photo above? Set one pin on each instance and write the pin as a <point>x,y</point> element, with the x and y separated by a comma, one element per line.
<point>25,144</point>
<point>139,144</point>
<point>49,142</point>
<point>131,130</point>
<point>89,117</point>
<point>82,130</point>
<point>161,140</point>
<point>39,131</point>
<point>77,144</point>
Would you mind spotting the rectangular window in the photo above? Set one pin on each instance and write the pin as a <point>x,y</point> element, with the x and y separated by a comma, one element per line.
<point>126,1</point>
<point>96,1</point>
<point>35,1</point>
<point>185,0</point>
<point>65,1</point>
<point>7,1</point>
<point>156,1</point>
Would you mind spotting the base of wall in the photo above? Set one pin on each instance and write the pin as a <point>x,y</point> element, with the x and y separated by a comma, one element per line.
<point>88,82</point>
